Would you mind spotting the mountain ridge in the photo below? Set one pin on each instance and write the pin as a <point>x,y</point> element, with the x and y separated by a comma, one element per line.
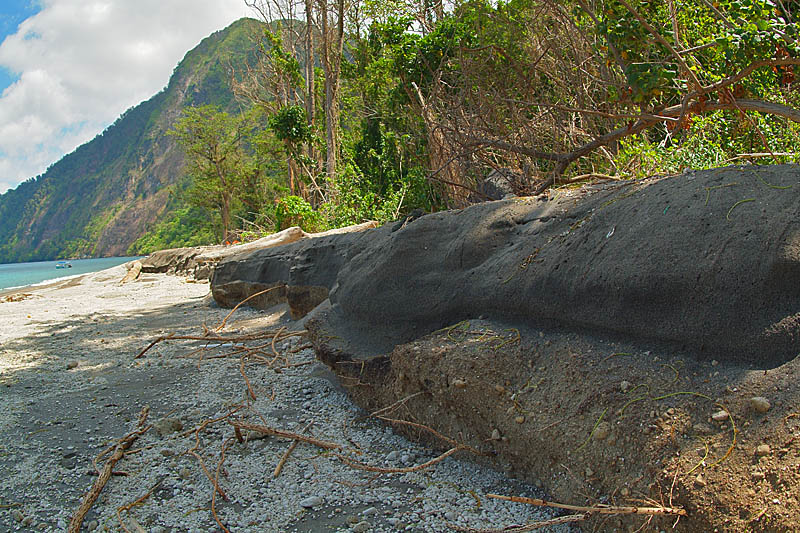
<point>97,200</point>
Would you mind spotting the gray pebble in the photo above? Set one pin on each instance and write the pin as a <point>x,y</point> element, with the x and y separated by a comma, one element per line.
<point>311,502</point>
<point>369,511</point>
<point>92,525</point>
<point>165,426</point>
<point>361,527</point>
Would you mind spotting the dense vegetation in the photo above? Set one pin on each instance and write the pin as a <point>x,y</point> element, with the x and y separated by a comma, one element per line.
<point>366,110</point>
<point>428,101</point>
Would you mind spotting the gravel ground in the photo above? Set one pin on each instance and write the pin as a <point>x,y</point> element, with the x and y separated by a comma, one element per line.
<point>70,387</point>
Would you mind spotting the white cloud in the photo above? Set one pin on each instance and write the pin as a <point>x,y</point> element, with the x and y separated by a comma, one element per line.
<point>81,63</point>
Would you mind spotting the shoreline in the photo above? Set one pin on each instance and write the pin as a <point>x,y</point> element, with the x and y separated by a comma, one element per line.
<point>71,386</point>
<point>47,284</point>
<point>50,282</point>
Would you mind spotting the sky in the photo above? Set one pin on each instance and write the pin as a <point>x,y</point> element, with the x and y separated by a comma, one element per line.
<point>69,68</point>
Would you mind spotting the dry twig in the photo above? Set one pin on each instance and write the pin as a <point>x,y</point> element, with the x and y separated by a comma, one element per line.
<point>289,451</point>
<point>272,432</point>
<point>119,452</point>
<point>596,509</point>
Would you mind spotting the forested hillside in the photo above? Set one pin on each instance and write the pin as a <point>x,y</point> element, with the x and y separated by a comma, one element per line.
<point>97,200</point>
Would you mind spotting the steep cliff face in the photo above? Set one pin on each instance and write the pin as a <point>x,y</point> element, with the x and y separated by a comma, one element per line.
<point>103,196</point>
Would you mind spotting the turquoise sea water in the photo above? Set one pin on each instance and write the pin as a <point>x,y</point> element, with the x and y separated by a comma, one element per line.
<point>22,274</point>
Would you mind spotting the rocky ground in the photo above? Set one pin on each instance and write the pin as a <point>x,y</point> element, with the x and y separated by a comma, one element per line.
<point>70,387</point>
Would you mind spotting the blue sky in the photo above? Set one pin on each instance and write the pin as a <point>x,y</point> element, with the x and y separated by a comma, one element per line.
<point>12,12</point>
<point>69,68</point>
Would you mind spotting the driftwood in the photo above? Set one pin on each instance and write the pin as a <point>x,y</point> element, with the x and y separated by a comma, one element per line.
<point>119,452</point>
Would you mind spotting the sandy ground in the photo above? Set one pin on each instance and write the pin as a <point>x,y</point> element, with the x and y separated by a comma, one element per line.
<point>70,386</point>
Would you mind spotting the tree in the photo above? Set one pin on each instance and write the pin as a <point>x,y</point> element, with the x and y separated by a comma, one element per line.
<point>214,143</point>
<point>547,86</point>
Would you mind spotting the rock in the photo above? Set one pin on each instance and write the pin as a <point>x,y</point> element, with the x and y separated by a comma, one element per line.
<point>759,404</point>
<point>304,269</point>
<point>602,431</point>
<point>175,260</point>
<point>361,527</point>
<point>233,293</point>
<point>72,365</point>
<point>625,386</point>
<point>763,450</point>
<point>393,456</point>
<point>134,269</point>
<point>701,429</point>
<point>92,525</point>
<point>459,383</point>
<point>369,511</point>
<point>495,434</point>
<point>166,426</point>
<point>699,481</point>
<point>720,416</point>
<point>520,419</point>
<point>311,502</point>
<point>303,299</point>
<point>757,476</point>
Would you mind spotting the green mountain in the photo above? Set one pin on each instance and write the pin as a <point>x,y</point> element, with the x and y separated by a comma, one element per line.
<point>100,198</point>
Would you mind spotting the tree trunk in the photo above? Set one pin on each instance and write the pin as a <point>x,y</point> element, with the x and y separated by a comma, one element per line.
<point>225,212</point>
<point>311,104</point>
<point>332,56</point>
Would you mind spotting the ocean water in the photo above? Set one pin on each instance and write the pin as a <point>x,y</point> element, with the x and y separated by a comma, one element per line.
<point>14,275</point>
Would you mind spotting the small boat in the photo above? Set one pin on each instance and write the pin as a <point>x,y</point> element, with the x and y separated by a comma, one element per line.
<point>63,264</point>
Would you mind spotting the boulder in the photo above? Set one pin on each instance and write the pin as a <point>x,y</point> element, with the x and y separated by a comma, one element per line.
<point>707,261</point>
<point>305,269</point>
<point>175,260</point>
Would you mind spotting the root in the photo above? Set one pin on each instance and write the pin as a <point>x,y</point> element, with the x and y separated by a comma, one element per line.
<point>259,293</point>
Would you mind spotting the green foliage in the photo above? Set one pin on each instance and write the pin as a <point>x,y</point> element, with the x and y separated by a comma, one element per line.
<point>295,211</point>
<point>715,140</point>
<point>186,226</point>
<point>290,124</point>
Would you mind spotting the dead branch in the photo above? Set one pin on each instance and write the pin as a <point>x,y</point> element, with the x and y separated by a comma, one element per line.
<point>272,432</point>
<point>119,452</point>
<point>289,451</point>
<point>596,509</point>
<point>128,506</point>
<point>216,485</point>
<point>246,380</point>
<point>450,441</point>
<point>259,293</point>
<point>222,339</point>
<point>193,450</point>
<point>423,466</point>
